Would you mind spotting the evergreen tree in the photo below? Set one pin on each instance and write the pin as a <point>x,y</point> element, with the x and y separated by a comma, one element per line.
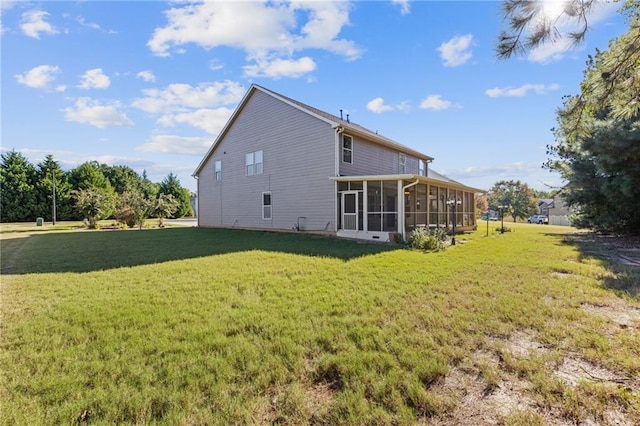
<point>48,172</point>
<point>122,178</point>
<point>17,182</point>
<point>89,175</point>
<point>597,148</point>
<point>171,185</point>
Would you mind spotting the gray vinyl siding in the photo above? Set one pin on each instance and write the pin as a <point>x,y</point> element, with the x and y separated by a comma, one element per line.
<point>372,159</point>
<point>298,161</point>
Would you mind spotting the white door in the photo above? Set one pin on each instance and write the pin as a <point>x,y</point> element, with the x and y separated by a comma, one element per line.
<point>350,210</point>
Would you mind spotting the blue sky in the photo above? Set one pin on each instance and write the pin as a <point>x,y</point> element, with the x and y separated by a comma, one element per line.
<point>150,84</point>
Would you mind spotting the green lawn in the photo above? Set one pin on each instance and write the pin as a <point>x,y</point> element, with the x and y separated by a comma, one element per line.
<point>203,326</point>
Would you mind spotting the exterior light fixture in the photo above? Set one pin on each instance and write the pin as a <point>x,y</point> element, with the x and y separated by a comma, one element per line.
<point>502,207</point>
<point>452,203</point>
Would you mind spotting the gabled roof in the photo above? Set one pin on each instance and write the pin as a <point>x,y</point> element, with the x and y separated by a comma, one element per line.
<point>335,122</point>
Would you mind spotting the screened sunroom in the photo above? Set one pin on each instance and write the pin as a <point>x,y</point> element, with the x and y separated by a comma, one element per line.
<point>376,207</point>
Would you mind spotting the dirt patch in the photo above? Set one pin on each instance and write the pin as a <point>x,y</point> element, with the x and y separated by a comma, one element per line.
<point>522,343</point>
<point>621,250</point>
<point>480,402</point>
<point>618,312</point>
<point>573,371</point>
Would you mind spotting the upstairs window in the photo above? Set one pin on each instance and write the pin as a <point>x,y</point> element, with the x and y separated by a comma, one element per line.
<point>258,162</point>
<point>253,163</point>
<point>266,206</point>
<point>402,163</point>
<point>421,168</point>
<point>218,169</point>
<point>347,149</point>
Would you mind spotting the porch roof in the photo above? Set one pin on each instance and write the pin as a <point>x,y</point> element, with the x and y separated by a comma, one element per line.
<point>437,180</point>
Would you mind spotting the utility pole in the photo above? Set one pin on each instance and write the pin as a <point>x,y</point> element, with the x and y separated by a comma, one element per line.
<point>53,199</point>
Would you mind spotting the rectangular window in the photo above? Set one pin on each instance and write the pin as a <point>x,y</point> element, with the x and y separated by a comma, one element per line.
<point>402,163</point>
<point>347,149</point>
<point>266,205</point>
<point>218,170</point>
<point>249,163</point>
<point>253,163</point>
<point>258,162</point>
<point>421,170</point>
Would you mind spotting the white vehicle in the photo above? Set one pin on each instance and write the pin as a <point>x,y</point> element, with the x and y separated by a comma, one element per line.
<point>538,218</point>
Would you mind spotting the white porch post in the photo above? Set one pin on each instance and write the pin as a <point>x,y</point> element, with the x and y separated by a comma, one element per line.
<point>400,209</point>
<point>365,220</point>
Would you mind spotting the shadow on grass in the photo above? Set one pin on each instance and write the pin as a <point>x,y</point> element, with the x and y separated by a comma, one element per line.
<point>621,256</point>
<point>98,250</point>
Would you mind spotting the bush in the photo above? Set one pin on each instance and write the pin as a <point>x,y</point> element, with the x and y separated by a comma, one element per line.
<point>503,229</point>
<point>126,216</point>
<point>428,239</point>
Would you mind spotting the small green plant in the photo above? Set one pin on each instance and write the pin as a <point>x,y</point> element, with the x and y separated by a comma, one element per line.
<point>428,239</point>
<point>396,237</point>
<point>503,229</point>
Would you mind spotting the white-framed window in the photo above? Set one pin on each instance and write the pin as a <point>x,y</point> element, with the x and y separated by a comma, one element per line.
<point>347,149</point>
<point>253,163</point>
<point>258,162</point>
<point>402,163</point>
<point>266,205</point>
<point>421,168</point>
<point>218,169</point>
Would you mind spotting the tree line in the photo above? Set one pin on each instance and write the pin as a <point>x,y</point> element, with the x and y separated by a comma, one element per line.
<point>91,191</point>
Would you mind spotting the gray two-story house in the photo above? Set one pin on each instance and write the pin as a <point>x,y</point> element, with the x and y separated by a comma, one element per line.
<point>280,164</point>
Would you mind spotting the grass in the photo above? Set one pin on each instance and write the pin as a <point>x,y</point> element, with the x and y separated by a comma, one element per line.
<point>202,326</point>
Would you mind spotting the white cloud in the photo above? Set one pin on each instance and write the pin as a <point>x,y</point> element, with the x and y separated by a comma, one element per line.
<point>209,120</point>
<point>94,79</point>
<point>550,52</point>
<point>435,103</point>
<point>171,144</point>
<point>39,77</point>
<point>215,65</point>
<point>539,89</point>
<point>278,68</point>
<point>404,6</point>
<point>33,24</point>
<point>261,29</point>
<point>147,76</point>
<point>89,111</point>
<point>378,106</point>
<point>84,23</point>
<point>180,97</point>
<point>455,52</point>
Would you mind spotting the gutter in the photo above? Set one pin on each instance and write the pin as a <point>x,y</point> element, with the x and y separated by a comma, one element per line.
<point>402,207</point>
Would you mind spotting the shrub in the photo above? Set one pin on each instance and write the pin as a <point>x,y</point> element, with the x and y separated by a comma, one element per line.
<point>396,237</point>
<point>126,216</point>
<point>428,239</point>
<point>503,229</point>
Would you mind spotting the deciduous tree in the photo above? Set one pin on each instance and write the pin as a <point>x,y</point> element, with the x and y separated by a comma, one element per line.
<point>165,206</point>
<point>517,199</point>
<point>94,204</point>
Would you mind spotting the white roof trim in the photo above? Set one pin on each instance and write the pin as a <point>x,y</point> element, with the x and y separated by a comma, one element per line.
<point>422,179</point>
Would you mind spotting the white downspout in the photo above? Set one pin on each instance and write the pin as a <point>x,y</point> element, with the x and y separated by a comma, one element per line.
<point>336,156</point>
<point>401,205</point>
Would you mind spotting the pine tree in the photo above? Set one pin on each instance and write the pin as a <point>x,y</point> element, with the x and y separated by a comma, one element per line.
<point>17,182</point>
